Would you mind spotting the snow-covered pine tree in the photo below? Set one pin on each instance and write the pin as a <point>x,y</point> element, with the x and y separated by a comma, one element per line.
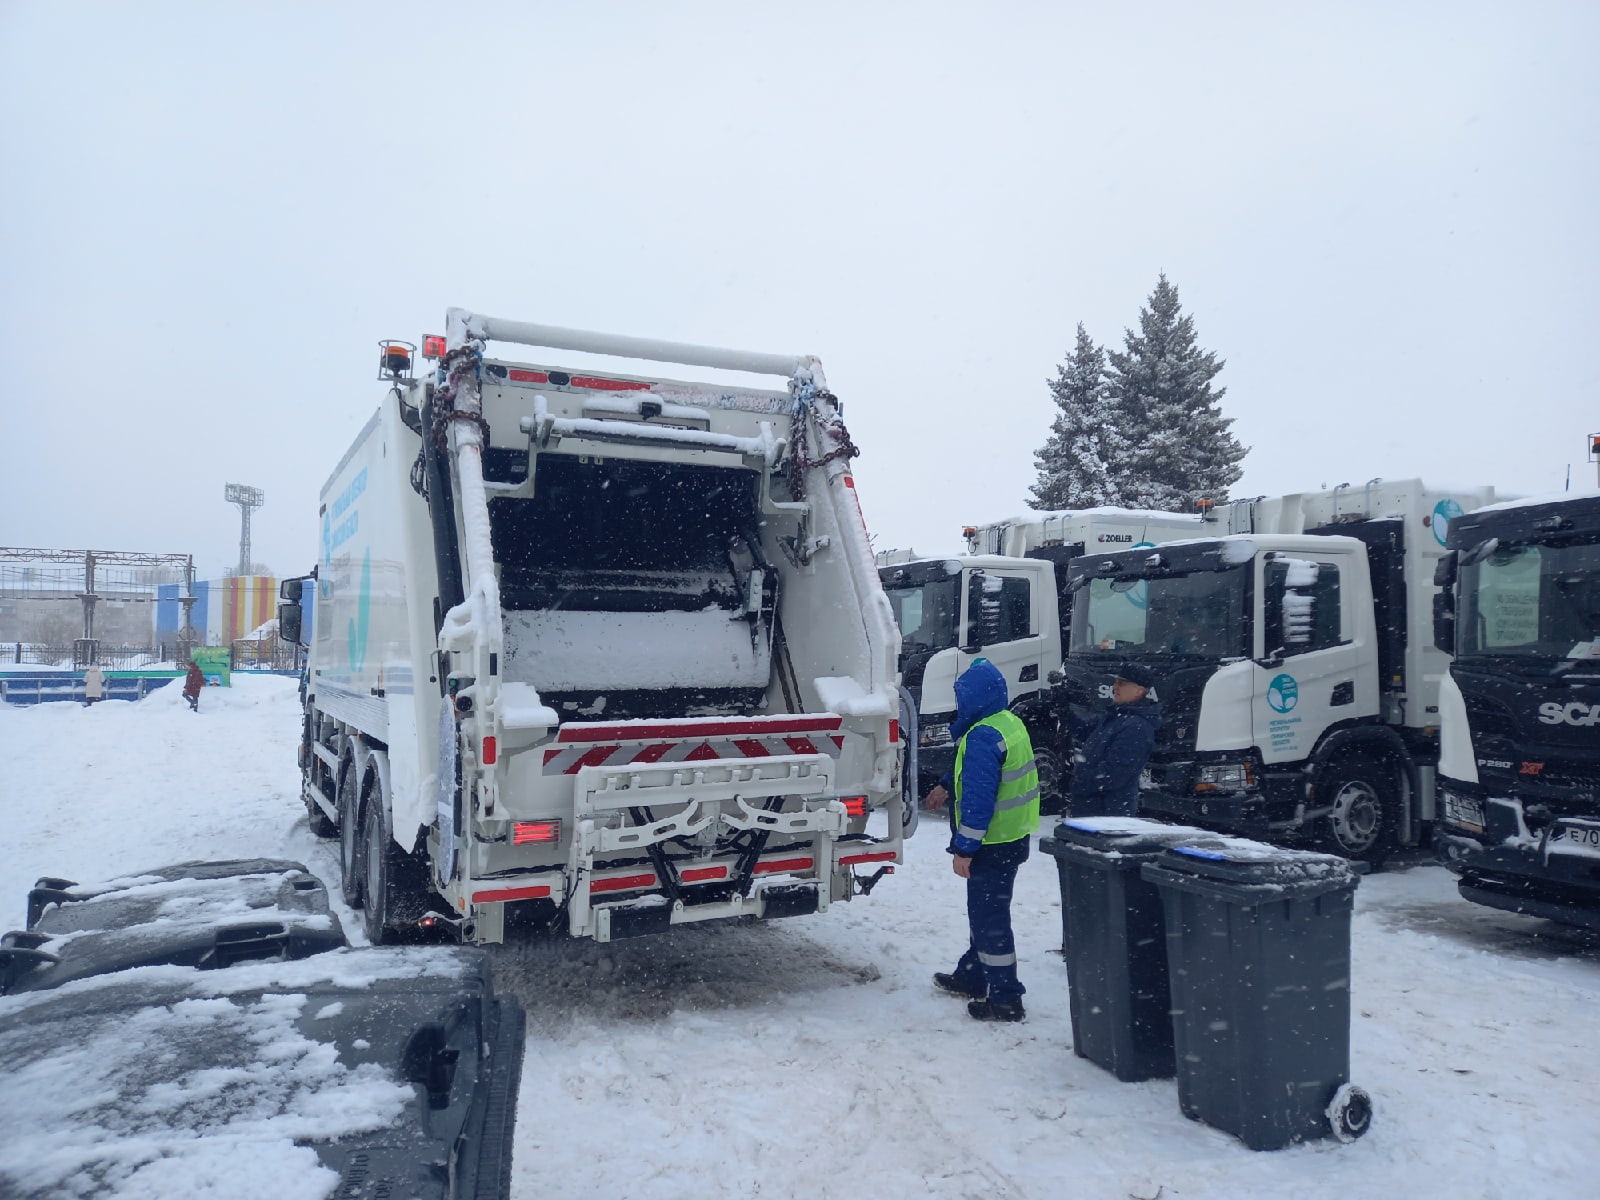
<point>1081,461</point>
<point>1179,448</point>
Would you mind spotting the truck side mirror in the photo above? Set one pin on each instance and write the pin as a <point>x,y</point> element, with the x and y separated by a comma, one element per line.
<point>1444,622</point>
<point>289,615</point>
<point>289,589</point>
<point>1444,603</point>
<point>1299,603</point>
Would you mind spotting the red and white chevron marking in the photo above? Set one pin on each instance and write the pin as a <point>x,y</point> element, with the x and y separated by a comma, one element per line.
<point>623,743</point>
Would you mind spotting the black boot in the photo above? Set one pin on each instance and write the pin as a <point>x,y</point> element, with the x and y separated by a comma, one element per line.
<point>996,1010</point>
<point>949,983</point>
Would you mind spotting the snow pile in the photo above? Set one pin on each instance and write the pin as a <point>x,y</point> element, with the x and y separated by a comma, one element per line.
<point>813,1056</point>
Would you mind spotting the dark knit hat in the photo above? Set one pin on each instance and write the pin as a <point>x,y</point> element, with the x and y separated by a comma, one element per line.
<point>1135,673</point>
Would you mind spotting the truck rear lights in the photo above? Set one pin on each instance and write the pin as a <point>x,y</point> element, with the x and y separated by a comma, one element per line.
<point>623,883</point>
<point>433,345</point>
<point>894,729</point>
<point>846,860</point>
<point>491,750</point>
<point>855,806</point>
<point>702,874</point>
<point>533,833</point>
<point>780,865</point>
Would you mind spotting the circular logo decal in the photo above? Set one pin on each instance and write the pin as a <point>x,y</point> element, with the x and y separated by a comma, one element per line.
<point>1283,693</point>
<point>1443,513</point>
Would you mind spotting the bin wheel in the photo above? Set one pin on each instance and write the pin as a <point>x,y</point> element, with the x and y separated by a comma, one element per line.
<point>1350,1113</point>
<point>1360,795</point>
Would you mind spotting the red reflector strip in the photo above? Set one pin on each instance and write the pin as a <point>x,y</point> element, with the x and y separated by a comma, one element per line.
<point>491,750</point>
<point>855,806</point>
<point>894,729</point>
<point>600,384</point>
<point>623,883</point>
<point>700,874</point>
<point>521,376</point>
<point>613,731</point>
<point>499,895</point>
<point>846,860</point>
<point>525,833</point>
<point>784,864</point>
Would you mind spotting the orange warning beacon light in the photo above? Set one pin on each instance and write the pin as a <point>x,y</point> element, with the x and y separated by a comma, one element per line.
<point>394,359</point>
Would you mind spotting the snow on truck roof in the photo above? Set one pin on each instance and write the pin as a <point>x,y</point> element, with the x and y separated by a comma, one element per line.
<point>1546,498</point>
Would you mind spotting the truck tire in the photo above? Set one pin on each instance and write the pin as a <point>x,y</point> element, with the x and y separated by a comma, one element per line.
<point>346,798</point>
<point>1364,801</point>
<point>392,883</point>
<point>1052,791</point>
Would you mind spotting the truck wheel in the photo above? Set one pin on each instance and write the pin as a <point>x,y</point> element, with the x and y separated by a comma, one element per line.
<point>345,799</point>
<point>392,880</point>
<point>1052,794</point>
<point>1360,792</point>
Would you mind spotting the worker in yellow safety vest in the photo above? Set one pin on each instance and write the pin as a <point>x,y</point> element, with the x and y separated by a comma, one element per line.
<point>995,792</point>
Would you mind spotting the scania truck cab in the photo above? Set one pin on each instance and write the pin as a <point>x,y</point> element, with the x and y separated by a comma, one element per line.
<point>1520,765</point>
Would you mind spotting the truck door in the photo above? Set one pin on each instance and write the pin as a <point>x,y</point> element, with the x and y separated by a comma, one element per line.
<point>1000,624</point>
<point>1316,681</point>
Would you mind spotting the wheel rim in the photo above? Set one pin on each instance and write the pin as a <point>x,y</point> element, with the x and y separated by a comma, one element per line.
<point>1357,815</point>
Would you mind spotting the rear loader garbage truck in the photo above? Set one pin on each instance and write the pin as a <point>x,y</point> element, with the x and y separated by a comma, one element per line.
<point>610,647</point>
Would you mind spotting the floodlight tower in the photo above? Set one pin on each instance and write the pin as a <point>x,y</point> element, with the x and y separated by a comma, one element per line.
<point>246,498</point>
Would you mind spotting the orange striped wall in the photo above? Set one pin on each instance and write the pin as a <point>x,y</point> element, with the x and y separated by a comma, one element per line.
<point>242,603</point>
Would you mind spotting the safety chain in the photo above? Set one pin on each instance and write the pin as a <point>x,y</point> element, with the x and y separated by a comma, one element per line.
<point>444,400</point>
<point>829,428</point>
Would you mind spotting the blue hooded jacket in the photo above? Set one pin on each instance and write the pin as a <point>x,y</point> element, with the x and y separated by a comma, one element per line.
<point>980,692</point>
<point>1114,750</point>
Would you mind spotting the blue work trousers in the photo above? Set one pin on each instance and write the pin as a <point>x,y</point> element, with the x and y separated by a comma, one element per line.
<point>991,957</point>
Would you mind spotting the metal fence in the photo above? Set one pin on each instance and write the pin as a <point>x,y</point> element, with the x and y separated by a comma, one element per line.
<point>73,655</point>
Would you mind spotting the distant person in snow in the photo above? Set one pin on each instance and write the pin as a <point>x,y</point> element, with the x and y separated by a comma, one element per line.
<point>193,681</point>
<point>1114,748</point>
<point>993,793</point>
<point>94,684</point>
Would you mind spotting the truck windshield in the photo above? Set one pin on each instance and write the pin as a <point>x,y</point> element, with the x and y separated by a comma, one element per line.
<point>1532,601</point>
<point>927,614</point>
<point>1202,615</point>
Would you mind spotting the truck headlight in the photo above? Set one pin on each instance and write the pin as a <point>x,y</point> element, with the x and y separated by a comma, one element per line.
<point>1225,777</point>
<point>934,735</point>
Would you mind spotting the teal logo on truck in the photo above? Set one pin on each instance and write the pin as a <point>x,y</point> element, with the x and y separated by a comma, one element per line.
<point>1283,693</point>
<point>1443,513</point>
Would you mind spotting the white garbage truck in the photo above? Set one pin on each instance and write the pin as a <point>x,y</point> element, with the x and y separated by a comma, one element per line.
<point>1519,817</point>
<point>611,647</point>
<point>1294,658</point>
<point>1001,600</point>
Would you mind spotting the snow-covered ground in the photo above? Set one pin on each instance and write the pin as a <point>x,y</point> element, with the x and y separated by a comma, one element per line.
<point>813,1057</point>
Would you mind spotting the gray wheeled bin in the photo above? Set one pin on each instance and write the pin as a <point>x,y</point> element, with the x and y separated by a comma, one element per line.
<point>1258,952</point>
<point>1113,941</point>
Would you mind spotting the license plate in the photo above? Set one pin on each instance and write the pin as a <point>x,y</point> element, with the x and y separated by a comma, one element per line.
<point>1573,837</point>
<point>1147,778</point>
<point>1466,811</point>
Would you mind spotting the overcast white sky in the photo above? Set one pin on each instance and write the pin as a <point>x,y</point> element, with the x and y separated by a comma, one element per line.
<point>1382,216</point>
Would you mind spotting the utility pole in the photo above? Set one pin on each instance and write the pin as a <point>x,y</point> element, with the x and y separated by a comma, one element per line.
<point>247,498</point>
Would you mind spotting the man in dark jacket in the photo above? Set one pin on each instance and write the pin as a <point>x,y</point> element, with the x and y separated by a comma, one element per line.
<point>994,795</point>
<point>1113,749</point>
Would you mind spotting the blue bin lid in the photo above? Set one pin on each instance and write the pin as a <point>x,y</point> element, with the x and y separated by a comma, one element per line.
<point>1241,860</point>
<point>1124,835</point>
